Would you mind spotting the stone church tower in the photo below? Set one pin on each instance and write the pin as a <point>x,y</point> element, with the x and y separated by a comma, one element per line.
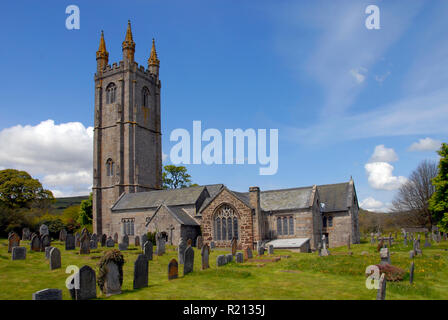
<point>127,154</point>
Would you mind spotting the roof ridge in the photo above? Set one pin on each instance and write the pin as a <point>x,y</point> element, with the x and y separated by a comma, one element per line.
<point>287,189</point>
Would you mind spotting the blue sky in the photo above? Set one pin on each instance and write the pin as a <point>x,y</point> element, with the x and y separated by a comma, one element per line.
<point>347,101</point>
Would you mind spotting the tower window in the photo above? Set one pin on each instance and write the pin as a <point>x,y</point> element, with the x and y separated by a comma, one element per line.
<point>110,167</point>
<point>111,93</point>
<point>145,97</point>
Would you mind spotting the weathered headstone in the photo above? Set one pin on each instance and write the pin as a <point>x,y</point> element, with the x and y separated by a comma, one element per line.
<point>381,293</point>
<point>47,252</point>
<point>26,234</point>
<point>48,294</point>
<point>324,252</point>
<point>137,241</point>
<point>85,244</point>
<point>35,243</point>
<point>234,244</point>
<point>385,256</point>
<point>94,237</point>
<point>147,250</point>
<point>116,237</point>
<point>70,242</point>
<point>55,258</point>
<point>123,246</point>
<point>411,273</point>
<point>93,244</point>
<point>427,243</point>
<point>18,253</point>
<point>103,240</point>
<point>188,260</point>
<point>221,260</point>
<point>62,235</point>
<point>239,257</point>
<point>87,284</point>
<point>13,241</point>
<point>112,283</point>
<point>77,240</point>
<point>173,269</point>
<point>43,230</point>
<point>125,239</point>
<point>110,243</point>
<point>199,242</point>
<point>270,249</point>
<point>205,254</point>
<point>143,239</point>
<point>45,241</point>
<point>160,245</point>
<point>260,250</point>
<point>181,250</point>
<point>141,272</point>
<point>248,253</point>
<point>229,257</point>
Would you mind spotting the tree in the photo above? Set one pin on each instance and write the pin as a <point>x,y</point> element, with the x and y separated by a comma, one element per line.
<point>176,177</point>
<point>85,217</point>
<point>413,196</point>
<point>70,217</point>
<point>18,189</point>
<point>438,205</point>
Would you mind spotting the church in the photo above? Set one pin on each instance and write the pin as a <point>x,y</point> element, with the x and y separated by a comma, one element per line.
<point>127,178</point>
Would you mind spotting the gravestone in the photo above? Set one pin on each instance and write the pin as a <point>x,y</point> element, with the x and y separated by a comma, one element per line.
<point>94,237</point>
<point>116,237</point>
<point>324,252</point>
<point>110,243</point>
<point>260,250</point>
<point>77,240</point>
<point>248,253</point>
<point>427,243</point>
<point>144,239</point>
<point>405,239</point>
<point>48,294</point>
<point>411,273</point>
<point>234,244</point>
<point>35,243</point>
<point>55,258</point>
<point>47,252</point>
<point>85,244</point>
<point>205,254</point>
<point>43,230</point>
<point>221,260</point>
<point>188,260</point>
<point>125,239</point>
<point>372,238</point>
<point>87,284</point>
<point>390,240</point>
<point>381,294</point>
<point>93,244</point>
<point>417,249</point>
<point>141,272</point>
<point>137,241</point>
<point>112,283</point>
<point>45,241</point>
<point>122,246</point>
<point>173,269</point>
<point>199,242</point>
<point>270,249</point>
<point>319,248</point>
<point>229,257</point>
<point>62,235</point>
<point>160,245</point>
<point>13,241</point>
<point>147,250</point>
<point>181,250</point>
<point>385,256</point>
<point>70,242</point>
<point>239,257</point>
<point>103,240</point>
<point>18,253</point>
<point>411,254</point>
<point>26,235</point>
<point>212,244</point>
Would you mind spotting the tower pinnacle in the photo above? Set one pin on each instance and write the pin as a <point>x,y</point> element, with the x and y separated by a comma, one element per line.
<point>102,56</point>
<point>128,45</point>
<point>153,62</point>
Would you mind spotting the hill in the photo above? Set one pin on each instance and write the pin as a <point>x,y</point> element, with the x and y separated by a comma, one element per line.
<point>62,203</point>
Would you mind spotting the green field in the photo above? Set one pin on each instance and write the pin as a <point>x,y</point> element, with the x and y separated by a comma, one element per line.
<point>301,276</point>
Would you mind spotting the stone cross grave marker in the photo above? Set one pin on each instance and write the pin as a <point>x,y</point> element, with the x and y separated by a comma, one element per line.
<point>141,272</point>
<point>173,269</point>
<point>147,250</point>
<point>325,252</point>
<point>188,260</point>
<point>55,258</point>
<point>381,293</point>
<point>18,253</point>
<point>385,256</point>
<point>181,250</point>
<point>205,253</point>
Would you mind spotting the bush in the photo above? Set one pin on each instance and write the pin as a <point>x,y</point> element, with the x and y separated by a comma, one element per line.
<point>392,273</point>
<point>152,237</point>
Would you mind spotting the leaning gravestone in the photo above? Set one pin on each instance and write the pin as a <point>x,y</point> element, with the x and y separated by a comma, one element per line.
<point>248,253</point>
<point>411,273</point>
<point>70,242</point>
<point>181,250</point>
<point>137,241</point>
<point>103,240</point>
<point>147,250</point>
<point>62,235</point>
<point>13,241</point>
<point>199,242</point>
<point>271,249</point>
<point>205,254</point>
<point>48,294</point>
<point>188,260</point>
<point>47,252</point>
<point>173,269</point>
<point>18,253</point>
<point>35,243</point>
<point>381,294</point>
<point>43,230</point>
<point>221,260</point>
<point>229,257</point>
<point>85,244</point>
<point>239,257</point>
<point>55,259</point>
<point>112,283</point>
<point>141,272</point>
<point>234,245</point>
<point>86,278</point>
<point>26,235</point>
<point>45,241</point>
<point>110,243</point>
<point>385,256</point>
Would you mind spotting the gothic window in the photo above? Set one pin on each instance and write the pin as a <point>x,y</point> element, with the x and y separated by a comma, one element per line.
<point>226,224</point>
<point>128,226</point>
<point>145,97</point>
<point>110,166</point>
<point>111,93</point>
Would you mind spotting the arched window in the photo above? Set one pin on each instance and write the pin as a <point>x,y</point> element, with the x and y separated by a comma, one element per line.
<point>279,226</point>
<point>226,224</point>
<point>111,93</point>
<point>109,167</point>
<point>145,97</point>
<point>285,225</point>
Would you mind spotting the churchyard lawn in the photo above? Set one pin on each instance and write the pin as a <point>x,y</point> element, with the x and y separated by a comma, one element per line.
<point>301,276</point>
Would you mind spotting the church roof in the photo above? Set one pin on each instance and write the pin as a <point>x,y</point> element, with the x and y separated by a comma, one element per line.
<point>336,197</point>
<point>286,199</point>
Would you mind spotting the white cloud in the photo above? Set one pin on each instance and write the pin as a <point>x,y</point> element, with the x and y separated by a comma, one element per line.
<point>60,155</point>
<point>426,144</point>
<point>164,156</point>
<point>380,176</point>
<point>372,204</point>
<point>380,78</point>
<point>383,154</point>
<point>358,74</point>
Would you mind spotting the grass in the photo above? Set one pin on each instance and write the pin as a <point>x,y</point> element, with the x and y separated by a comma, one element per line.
<point>302,276</point>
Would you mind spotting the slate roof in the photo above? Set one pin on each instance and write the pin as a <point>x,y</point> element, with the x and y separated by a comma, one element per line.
<point>337,197</point>
<point>285,199</point>
<point>183,217</point>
